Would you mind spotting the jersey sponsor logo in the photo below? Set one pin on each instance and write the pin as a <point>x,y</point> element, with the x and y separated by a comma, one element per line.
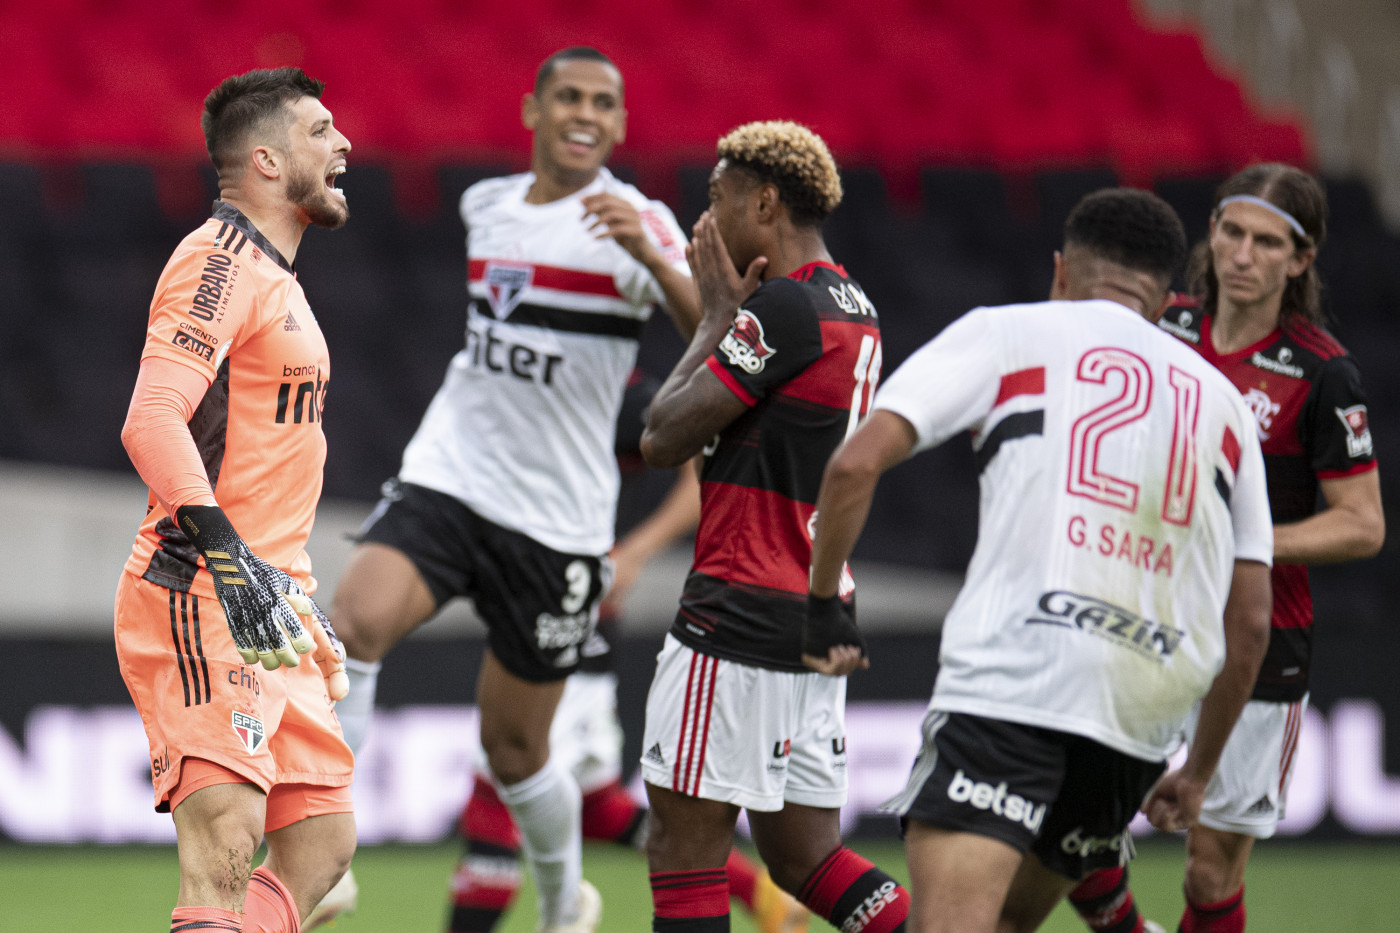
<point>983,796</point>
<point>1358,430</point>
<point>249,730</point>
<point>1152,640</point>
<point>1076,843</point>
<point>196,346</point>
<point>306,400</point>
<point>160,764</point>
<point>245,679</point>
<point>563,631</point>
<point>671,251</point>
<point>219,273</point>
<point>505,286</point>
<point>1264,409</point>
<point>850,298</point>
<point>782,749</point>
<point>871,907</point>
<point>745,344</point>
<point>487,351</point>
<point>1122,544</point>
<point>291,323</point>
<point>1181,327</point>
<point>1280,365</point>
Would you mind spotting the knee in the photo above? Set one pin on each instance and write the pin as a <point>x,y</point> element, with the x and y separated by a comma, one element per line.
<point>514,755</point>
<point>1215,866</point>
<point>220,846</point>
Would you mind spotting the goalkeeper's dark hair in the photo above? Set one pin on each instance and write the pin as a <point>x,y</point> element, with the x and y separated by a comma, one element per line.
<point>1131,228</point>
<point>254,104</point>
<point>586,53</point>
<point>793,159</point>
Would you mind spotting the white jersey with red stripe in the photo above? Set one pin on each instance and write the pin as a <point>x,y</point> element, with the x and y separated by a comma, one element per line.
<point>1120,480</point>
<point>522,429</point>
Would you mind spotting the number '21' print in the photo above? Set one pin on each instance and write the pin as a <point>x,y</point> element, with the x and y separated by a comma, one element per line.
<point>1133,401</point>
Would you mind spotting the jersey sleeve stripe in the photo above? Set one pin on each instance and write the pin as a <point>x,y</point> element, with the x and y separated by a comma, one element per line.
<point>1230,446</point>
<point>1022,382</point>
<point>1020,424</point>
<point>1357,470</point>
<point>733,384</point>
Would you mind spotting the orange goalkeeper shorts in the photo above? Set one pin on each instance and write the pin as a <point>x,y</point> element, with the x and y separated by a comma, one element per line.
<point>198,700</point>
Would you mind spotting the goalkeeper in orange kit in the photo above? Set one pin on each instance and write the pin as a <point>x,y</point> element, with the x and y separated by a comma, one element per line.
<point>214,609</point>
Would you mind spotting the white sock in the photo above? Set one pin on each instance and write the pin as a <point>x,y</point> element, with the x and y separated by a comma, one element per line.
<point>547,807</point>
<point>356,709</point>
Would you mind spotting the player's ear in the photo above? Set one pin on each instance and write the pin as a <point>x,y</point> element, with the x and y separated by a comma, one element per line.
<point>1167,300</point>
<point>1059,282</point>
<point>1302,258</point>
<point>267,161</point>
<point>529,111</point>
<point>767,202</point>
<point>621,125</point>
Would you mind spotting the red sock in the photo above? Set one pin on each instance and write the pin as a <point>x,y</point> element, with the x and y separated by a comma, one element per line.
<point>851,893</point>
<point>269,907</point>
<point>488,875</point>
<point>743,878</point>
<point>1105,903</point>
<point>611,815</point>
<point>1225,916</point>
<point>198,919</point>
<point>690,901</point>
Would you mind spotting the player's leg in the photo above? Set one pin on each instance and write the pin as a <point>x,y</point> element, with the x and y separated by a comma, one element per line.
<point>1105,902</point>
<point>801,842</point>
<point>218,829</point>
<point>1244,801</point>
<point>543,797</point>
<point>489,874</point>
<point>687,848</point>
<point>1034,892</point>
<point>410,559</point>
<point>958,880</point>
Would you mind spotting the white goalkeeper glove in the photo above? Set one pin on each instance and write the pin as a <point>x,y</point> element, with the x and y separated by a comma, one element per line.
<point>263,605</point>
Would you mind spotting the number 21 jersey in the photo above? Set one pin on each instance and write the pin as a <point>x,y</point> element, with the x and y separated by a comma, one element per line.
<point>1120,479</point>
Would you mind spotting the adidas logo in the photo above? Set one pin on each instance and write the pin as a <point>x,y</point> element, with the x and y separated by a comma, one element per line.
<point>654,755</point>
<point>1261,807</point>
<point>291,323</point>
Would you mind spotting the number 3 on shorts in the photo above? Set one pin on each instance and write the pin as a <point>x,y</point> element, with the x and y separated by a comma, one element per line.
<point>578,579</point>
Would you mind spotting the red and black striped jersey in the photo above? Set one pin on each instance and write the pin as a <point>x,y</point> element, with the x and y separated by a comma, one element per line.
<point>804,355</point>
<point>1308,403</point>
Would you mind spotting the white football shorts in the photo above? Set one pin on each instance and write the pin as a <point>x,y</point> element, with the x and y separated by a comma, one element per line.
<point>586,737</point>
<point>726,731</point>
<point>1250,788</point>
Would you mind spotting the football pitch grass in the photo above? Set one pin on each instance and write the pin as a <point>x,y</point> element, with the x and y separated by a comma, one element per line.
<point>1291,887</point>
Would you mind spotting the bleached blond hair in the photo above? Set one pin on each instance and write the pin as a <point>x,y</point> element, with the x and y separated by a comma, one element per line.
<point>791,157</point>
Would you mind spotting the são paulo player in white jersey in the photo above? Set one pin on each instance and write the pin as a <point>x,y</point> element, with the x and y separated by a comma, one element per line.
<point>1123,517</point>
<point>508,490</point>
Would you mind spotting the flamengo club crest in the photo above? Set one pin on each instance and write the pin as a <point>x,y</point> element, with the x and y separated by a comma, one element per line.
<point>505,286</point>
<point>744,344</point>
<point>249,731</point>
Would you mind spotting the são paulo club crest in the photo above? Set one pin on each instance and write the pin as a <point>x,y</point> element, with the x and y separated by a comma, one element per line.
<point>249,730</point>
<point>505,286</point>
<point>745,345</point>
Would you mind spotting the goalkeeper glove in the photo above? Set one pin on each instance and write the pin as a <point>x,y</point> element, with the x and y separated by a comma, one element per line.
<point>262,604</point>
<point>828,625</point>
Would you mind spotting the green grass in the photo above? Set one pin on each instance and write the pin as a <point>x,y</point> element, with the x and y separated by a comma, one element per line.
<point>1291,888</point>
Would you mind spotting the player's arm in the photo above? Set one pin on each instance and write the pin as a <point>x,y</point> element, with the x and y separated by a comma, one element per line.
<point>830,643</point>
<point>1175,802</point>
<point>678,514</point>
<point>693,405</point>
<point>612,216</point>
<point>1351,526</point>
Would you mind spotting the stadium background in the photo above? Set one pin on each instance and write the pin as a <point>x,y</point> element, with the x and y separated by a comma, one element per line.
<point>965,132</point>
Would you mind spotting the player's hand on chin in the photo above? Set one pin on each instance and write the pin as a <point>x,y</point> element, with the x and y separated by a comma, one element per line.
<point>840,660</point>
<point>719,283</point>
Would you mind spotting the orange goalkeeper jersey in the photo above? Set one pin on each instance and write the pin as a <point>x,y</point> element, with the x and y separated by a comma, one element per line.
<point>229,306</point>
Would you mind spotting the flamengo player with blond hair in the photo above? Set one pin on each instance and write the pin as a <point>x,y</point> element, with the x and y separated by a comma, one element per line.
<point>781,368</point>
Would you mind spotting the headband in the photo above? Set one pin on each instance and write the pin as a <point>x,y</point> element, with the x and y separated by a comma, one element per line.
<point>1251,199</point>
